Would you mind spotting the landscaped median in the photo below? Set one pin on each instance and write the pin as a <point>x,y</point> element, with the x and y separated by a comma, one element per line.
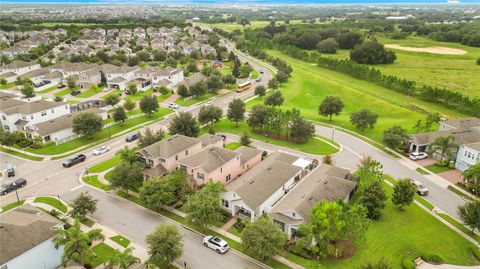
<point>53,202</point>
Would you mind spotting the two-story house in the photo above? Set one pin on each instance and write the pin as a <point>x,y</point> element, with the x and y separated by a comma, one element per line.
<point>119,76</point>
<point>468,155</point>
<point>18,68</point>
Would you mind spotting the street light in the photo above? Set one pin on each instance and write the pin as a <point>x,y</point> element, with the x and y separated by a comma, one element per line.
<point>333,132</point>
<point>18,199</point>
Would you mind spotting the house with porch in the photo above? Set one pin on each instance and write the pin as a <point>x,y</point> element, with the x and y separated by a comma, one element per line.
<point>324,183</point>
<point>258,190</point>
<point>119,76</point>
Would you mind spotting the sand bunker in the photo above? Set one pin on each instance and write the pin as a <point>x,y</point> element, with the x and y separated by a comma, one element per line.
<point>436,50</point>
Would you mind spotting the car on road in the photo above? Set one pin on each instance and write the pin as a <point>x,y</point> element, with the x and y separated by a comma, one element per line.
<point>106,89</point>
<point>261,71</point>
<point>421,190</point>
<point>215,243</point>
<point>72,161</point>
<point>131,137</point>
<point>75,92</point>
<point>61,86</point>
<point>418,156</point>
<point>12,185</point>
<point>258,79</point>
<point>173,106</point>
<point>10,171</point>
<point>100,150</point>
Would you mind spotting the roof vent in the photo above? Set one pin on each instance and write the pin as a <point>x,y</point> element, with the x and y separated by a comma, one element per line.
<point>251,182</point>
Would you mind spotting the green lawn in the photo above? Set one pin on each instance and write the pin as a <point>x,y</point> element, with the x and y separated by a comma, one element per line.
<point>233,145</point>
<point>399,233</point>
<point>19,154</point>
<point>122,241</point>
<point>87,221</point>
<point>93,180</point>
<point>254,74</point>
<point>12,205</point>
<point>139,95</point>
<point>52,202</point>
<point>105,165</point>
<point>162,97</point>
<point>460,226</point>
<point>90,92</point>
<point>102,253</point>
<point>108,175</point>
<point>310,84</point>
<point>7,86</point>
<point>195,100</point>
<point>434,168</point>
<point>453,72</point>
<point>48,89</point>
<point>65,91</point>
<point>104,134</point>
<point>422,171</point>
<point>313,146</point>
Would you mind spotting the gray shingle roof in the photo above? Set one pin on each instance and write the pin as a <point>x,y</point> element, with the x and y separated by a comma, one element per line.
<point>462,136</point>
<point>19,64</point>
<point>24,228</point>
<point>11,106</point>
<point>463,123</point>
<point>61,123</point>
<point>169,147</point>
<point>208,139</point>
<point>247,153</point>
<point>210,159</point>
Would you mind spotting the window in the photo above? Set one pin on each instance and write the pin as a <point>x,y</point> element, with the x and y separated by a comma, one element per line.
<point>221,169</point>
<point>200,176</point>
<point>44,113</point>
<point>176,157</point>
<point>4,118</point>
<point>162,160</point>
<point>183,168</point>
<point>225,203</point>
<point>228,178</point>
<point>186,152</point>
<point>24,117</point>
<point>31,117</point>
<point>53,110</point>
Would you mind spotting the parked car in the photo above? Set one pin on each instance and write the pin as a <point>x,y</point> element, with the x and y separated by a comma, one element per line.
<point>77,159</point>
<point>418,156</point>
<point>127,92</point>
<point>13,185</point>
<point>100,150</point>
<point>258,79</point>
<point>106,89</point>
<point>215,243</point>
<point>75,92</point>
<point>10,171</point>
<point>261,71</point>
<point>421,190</point>
<point>207,104</point>
<point>173,106</point>
<point>61,86</point>
<point>131,137</point>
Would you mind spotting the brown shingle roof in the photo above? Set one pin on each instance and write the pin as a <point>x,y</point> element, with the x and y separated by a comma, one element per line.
<point>247,153</point>
<point>18,64</point>
<point>463,123</point>
<point>210,158</point>
<point>169,147</point>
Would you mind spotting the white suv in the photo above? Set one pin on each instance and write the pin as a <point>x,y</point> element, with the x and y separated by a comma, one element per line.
<point>421,190</point>
<point>418,156</point>
<point>173,106</point>
<point>100,150</point>
<point>215,243</point>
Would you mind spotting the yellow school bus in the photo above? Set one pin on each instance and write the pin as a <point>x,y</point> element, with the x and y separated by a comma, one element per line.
<point>244,86</point>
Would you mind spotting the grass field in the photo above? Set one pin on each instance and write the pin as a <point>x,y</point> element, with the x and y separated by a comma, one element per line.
<point>90,92</point>
<point>182,102</point>
<point>310,84</point>
<point>19,154</point>
<point>454,72</point>
<point>65,91</point>
<point>229,27</point>
<point>313,146</point>
<point>93,180</point>
<point>102,253</point>
<point>138,95</point>
<point>399,233</point>
<point>105,165</point>
<point>12,205</point>
<point>434,168</point>
<point>7,86</point>
<point>48,89</point>
<point>52,202</point>
<point>233,145</point>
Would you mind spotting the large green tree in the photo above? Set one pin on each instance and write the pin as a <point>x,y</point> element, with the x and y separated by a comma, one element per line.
<point>127,176</point>
<point>469,213</point>
<point>129,105</point>
<point>274,99</point>
<point>149,104</point>
<point>403,193</point>
<point>372,52</point>
<point>443,146</point>
<point>119,115</point>
<point>27,90</point>
<point>331,105</point>
<point>363,119</point>
<point>164,245</point>
<point>83,205</point>
<point>76,244</point>
<point>263,239</point>
<point>472,178</point>
<point>111,99</point>
<point>87,124</point>
<point>209,114</point>
<point>203,208</point>
<point>165,190</point>
<point>149,137</point>
<point>395,137</point>
<point>236,111</point>
<point>184,123</point>
<point>128,155</point>
<point>260,90</point>
<point>373,199</point>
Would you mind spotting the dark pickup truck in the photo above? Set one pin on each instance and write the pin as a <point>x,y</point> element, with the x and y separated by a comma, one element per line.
<point>77,159</point>
<point>11,186</point>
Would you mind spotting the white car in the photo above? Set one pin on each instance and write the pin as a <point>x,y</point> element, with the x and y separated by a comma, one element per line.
<point>418,156</point>
<point>173,106</point>
<point>215,243</point>
<point>421,190</point>
<point>106,89</point>
<point>100,150</point>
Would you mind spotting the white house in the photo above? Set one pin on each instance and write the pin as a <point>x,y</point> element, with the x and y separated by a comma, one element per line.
<point>20,67</point>
<point>27,239</point>
<point>119,76</point>
<point>468,155</point>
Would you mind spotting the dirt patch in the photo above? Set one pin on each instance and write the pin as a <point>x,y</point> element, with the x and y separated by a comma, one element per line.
<point>435,50</point>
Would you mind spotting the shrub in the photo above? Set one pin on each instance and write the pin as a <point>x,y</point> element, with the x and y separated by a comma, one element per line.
<point>432,258</point>
<point>327,46</point>
<point>407,263</point>
<point>239,225</point>
<point>372,52</point>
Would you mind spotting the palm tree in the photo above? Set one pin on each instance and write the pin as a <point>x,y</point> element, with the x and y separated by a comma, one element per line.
<point>76,244</point>
<point>472,176</point>
<point>121,260</point>
<point>442,145</point>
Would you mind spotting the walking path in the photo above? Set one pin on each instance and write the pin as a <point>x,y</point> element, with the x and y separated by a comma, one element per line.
<point>426,265</point>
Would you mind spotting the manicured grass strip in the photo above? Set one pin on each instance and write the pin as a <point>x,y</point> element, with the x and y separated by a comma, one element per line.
<point>19,154</point>
<point>48,89</point>
<point>12,205</point>
<point>313,146</point>
<point>234,231</point>
<point>100,136</point>
<point>122,241</point>
<point>87,221</point>
<point>52,202</point>
<point>66,91</point>
<point>105,165</point>
<point>139,95</point>
<point>436,169</point>
<point>182,102</point>
<point>162,97</point>
<point>7,86</point>
<point>93,180</point>
<point>90,92</point>
<point>108,175</point>
<point>422,171</point>
<point>424,202</point>
<point>233,145</point>
<point>103,253</point>
<point>460,226</point>
<point>460,193</point>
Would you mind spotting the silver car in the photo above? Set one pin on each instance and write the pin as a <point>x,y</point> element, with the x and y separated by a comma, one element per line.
<point>421,190</point>
<point>215,243</point>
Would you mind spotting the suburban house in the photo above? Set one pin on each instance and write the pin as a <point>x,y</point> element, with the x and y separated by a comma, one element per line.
<point>249,157</point>
<point>119,76</point>
<point>212,140</point>
<point>464,131</point>
<point>324,183</point>
<point>11,71</point>
<point>259,189</point>
<point>162,156</point>
<point>27,239</point>
<point>92,76</point>
<point>17,114</point>
<point>212,163</point>
<point>468,155</point>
